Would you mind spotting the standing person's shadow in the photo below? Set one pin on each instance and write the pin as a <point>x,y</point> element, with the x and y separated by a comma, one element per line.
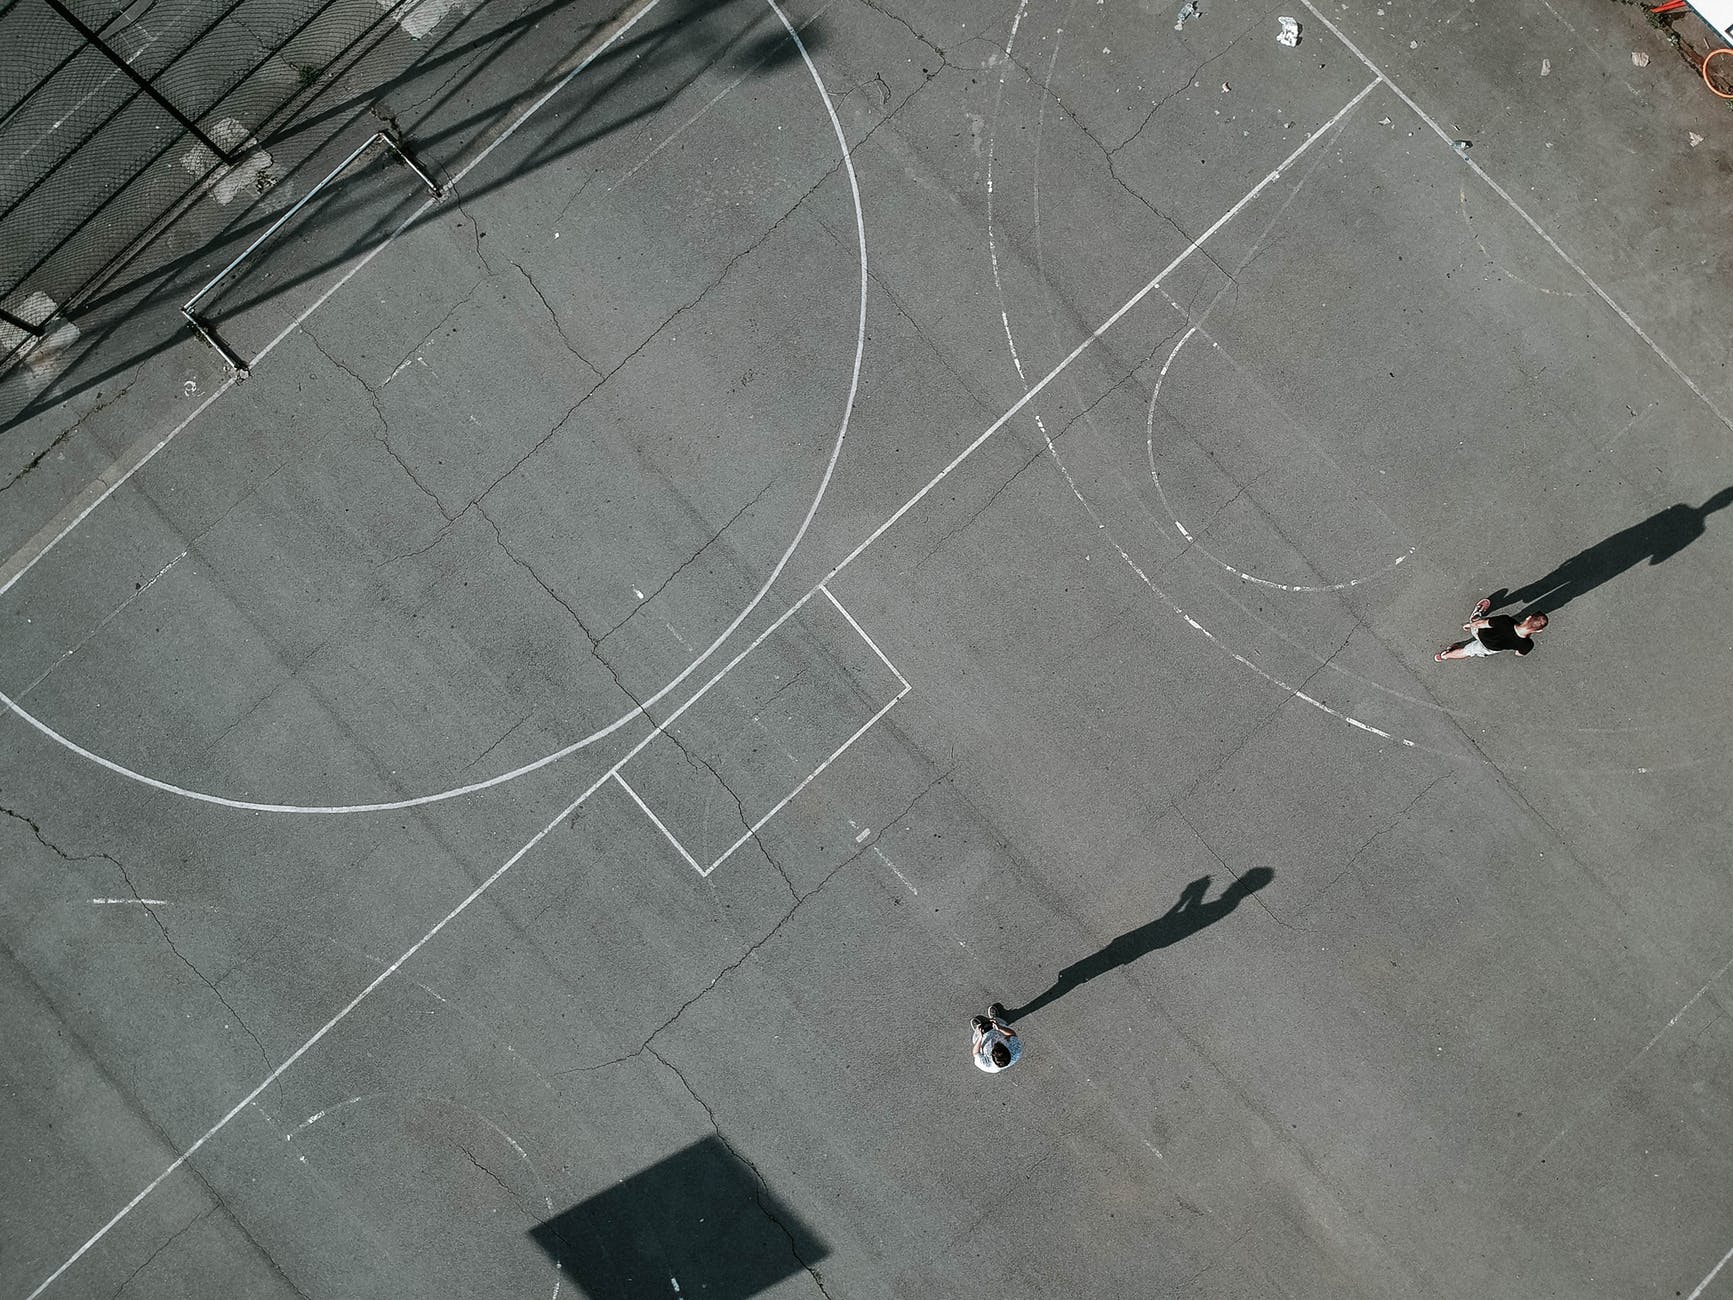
<point>1186,917</point>
<point>1659,537</point>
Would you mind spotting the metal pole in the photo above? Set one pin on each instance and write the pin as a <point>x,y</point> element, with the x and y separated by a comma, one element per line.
<point>210,336</point>
<point>96,42</point>
<point>278,224</point>
<point>408,159</point>
<point>208,331</point>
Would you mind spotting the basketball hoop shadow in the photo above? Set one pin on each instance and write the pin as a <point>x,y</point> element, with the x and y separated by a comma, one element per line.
<point>698,1222</point>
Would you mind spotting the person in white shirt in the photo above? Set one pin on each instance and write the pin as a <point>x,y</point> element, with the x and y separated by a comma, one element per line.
<point>996,1046</point>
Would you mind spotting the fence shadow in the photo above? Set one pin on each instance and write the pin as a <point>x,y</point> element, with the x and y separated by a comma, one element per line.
<point>130,316</point>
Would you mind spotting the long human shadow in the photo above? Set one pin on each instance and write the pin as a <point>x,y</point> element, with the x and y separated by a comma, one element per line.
<point>1185,918</point>
<point>1656,539</point>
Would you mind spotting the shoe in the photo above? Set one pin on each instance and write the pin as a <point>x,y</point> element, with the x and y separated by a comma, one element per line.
<point>1480,609</point>
<point>996,1011</point>
<point>1439,656</point>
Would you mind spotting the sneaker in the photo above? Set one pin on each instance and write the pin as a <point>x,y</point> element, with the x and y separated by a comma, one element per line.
<point>996,1011</point>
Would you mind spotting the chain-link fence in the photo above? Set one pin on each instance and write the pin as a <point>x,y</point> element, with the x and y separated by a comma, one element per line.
<point>136,129</point>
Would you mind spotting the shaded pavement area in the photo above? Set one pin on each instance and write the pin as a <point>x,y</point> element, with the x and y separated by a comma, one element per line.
<point>803,541</point>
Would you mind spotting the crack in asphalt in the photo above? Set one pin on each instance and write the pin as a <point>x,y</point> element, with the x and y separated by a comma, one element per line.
<point>688,561</point>
<point>384,424</point>
<point>761,1185</point>
<point>722,276</point>
<point>203,978</point>
<point>878,8</point>
<point>541,442</point>
<point>1190,77</point>
<point>948,538</point>
<point>529,568</point>
<point>603,376</point>
<point>1055,438</point>
<point>500,1182</point>
<point>1352,865</point>
<point>963,381</point>
<point>151,911</point>
<point>1111,154</point>
<point>740,809</point>
<point>426,338</point>
<point>554,316</point>
<point>882,86</point>
<point>62,436</point>
<point>777,693</point>
<point>175,1236</point>
<point>504,736</point>
<point>50,845</point>
<point>476,231</point>
<point>439,536</point>
<point>751,948</point>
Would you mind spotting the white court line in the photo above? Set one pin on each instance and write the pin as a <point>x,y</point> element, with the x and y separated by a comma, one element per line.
<point>782,803</point>
<point>899,875</point>
<point>97,630</point>
<point>1178,523</point>
<point>720,95</point>
<point>1533,225</point>
<point>248,805</point>
<point>862,633</point>
<point>571,808</point>
<point>307,1046</point>
<point>666,833</point>
<point>811,777</point>
<point>1630,1065</point>
<point>319,302</point>
<point>104,487</point>
<point>1701,1286</point>
<point>1097,332</point>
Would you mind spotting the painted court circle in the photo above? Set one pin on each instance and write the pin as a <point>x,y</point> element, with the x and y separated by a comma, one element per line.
<point>672,685</point>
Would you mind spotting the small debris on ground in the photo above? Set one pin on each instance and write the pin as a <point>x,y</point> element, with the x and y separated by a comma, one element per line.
<point>1187,12</point>
<point>1546,67</point>
<point>1226,87</point>
<point>1695,139</point>
<point>1413,45</point>
<point>1384,121</point>
<point>1462,146</point>
<point>1639,59</point>
<point>1289,35</point>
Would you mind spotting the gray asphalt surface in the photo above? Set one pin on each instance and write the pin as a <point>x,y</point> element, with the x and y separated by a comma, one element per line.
<point>607,431</point>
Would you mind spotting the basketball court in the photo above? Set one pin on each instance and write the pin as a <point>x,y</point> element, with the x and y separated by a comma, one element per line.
<point>831,515</point>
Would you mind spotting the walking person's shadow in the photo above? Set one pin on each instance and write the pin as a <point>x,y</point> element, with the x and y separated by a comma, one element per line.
<point>1659,537</point>
<point>1186,917</point>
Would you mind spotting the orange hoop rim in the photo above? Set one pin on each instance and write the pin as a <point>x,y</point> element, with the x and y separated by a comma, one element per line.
<point>1713,89</point>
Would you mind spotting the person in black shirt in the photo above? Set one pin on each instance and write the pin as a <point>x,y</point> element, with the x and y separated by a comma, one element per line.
<point>1493,635</point>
